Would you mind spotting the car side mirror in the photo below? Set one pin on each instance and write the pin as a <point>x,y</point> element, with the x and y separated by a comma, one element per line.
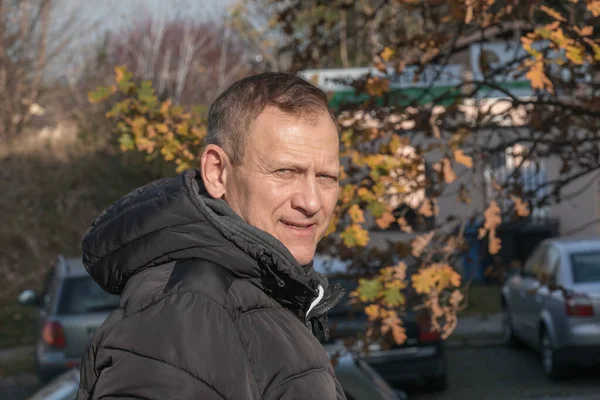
<point>29,298</point>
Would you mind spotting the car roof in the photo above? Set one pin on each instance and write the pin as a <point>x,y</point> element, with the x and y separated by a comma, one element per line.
<point>71,267</point>
<point>571,245</point>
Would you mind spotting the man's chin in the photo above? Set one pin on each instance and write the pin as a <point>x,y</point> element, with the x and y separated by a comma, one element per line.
<point>303,256</point>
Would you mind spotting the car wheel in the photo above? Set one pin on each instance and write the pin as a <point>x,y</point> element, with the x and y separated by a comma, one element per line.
<point>508,333</point>
<point>550,363</point>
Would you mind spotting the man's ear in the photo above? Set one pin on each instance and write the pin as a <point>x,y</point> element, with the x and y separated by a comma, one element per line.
<point>213,166</point>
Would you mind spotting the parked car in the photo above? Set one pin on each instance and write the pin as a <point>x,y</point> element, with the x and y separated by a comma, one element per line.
<point>553,304</point>
<point>359,381</point>
<point>63,387</point>
<point>71,307</point>
<point>421,359</point>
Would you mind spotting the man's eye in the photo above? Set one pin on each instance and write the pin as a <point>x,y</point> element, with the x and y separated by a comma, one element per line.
<point>328,178</point>
<point>284,171</point>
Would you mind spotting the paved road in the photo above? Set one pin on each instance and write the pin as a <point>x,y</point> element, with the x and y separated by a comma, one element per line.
<point>499,373</point>
<point>476,373</point>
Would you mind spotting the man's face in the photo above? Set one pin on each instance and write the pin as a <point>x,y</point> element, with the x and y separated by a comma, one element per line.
<point>287,183</point>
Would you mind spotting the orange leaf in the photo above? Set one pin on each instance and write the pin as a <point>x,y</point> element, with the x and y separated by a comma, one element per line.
<point>419,243</point>
<point>404,225</point>
<point>553,13</point>
<point>594,7</point>
<point>492,216</point>
<point>494,243</point>
<point>585,31</point>
<point>399,271</point>
<point>426,209</point>
<point>521,207</point>
<point>377,86</point>
<point>538,77</point>
<point>447,171</point>
<point>462,158</point>
<point>385,220</point>
<point>399,334</point>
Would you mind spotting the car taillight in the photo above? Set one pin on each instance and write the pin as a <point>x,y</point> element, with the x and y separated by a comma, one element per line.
<point>578,305</point>
<point>53,334</point>
<point>429,336</point>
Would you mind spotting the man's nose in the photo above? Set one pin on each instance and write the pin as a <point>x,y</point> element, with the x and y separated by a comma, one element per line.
<point>308,197</point>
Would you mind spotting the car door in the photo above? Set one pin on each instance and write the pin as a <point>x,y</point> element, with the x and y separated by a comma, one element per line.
<point>539,296</point>
<point>528,285</point>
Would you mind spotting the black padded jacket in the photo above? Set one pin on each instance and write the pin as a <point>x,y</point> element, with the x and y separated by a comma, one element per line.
<point>210,307</point>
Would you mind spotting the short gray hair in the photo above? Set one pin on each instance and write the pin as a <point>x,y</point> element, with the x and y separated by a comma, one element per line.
<point>232,114</point>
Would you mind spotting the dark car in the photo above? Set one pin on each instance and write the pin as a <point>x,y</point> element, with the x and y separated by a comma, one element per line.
<point>71,307</point>
<point>421,359</point>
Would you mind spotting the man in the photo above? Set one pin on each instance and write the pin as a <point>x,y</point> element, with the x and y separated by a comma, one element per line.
<point>218,294</point>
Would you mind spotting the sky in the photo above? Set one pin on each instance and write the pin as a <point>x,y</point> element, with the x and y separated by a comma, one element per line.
<point>94,17</point>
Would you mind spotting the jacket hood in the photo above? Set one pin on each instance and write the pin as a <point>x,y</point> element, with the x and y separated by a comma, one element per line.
<point>175,219</point>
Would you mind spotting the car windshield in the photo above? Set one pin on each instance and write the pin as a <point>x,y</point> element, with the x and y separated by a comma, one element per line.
<point>585,267</point>
<point>83,295</point>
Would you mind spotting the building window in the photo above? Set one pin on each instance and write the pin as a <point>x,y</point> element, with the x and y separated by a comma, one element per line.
<point>515,169</point>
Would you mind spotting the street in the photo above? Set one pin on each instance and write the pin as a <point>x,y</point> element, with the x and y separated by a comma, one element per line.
<point>496,372</point>
<point>476,373</point>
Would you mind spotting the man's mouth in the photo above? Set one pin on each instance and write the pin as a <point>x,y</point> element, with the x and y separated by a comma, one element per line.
<point>297,225</point>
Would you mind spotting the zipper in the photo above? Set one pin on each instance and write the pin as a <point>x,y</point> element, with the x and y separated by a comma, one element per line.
<point>335,295</point>
<point>319,311</point>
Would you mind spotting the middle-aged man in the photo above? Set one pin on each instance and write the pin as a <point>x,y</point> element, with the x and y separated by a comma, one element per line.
<point>214,267</point>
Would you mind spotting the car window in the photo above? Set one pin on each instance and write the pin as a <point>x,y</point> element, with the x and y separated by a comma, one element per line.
<point>84,295</point>
<point>532,266</point>
<point>550,265</point>
<point>50,283</point>
<point>585,267</point>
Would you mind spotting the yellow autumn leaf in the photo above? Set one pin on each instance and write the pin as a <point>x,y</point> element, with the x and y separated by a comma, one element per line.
<point>372,311</point>
<point>424,280</point>
<point>356,214</point>
<point>386,54</point>
<point>553,13</point>
<point>332,225</point>
<point>462,158</point>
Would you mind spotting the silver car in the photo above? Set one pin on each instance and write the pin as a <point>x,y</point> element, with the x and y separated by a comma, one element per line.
<point>553,304</point>
<point>71,307</point>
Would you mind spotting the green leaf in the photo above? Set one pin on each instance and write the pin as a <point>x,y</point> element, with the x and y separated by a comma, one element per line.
<point>369,289</point>
<point>376,208</point>
<point>393,297</point>
<point>146,95</point>
<point>100,94</point>
<point>126,142</point>
<point>123,78</point>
